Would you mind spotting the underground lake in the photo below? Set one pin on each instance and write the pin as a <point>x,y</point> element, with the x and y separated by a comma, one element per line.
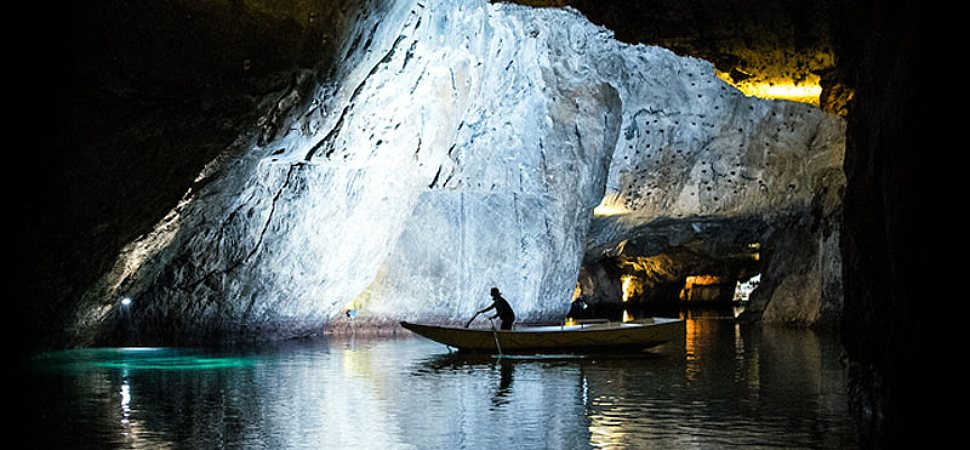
<point>725,384</point>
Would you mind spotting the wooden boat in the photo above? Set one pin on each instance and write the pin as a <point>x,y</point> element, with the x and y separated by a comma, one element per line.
<point>585,337</point>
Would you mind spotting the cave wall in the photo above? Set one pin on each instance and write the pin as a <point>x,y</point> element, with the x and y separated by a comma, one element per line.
<point>101,162</point>
<point>801,284</point>
<point>269,239</point>
<point>769,42</point>
<point>881,52</point>
<point>120,106</point>
<point>719,153</point>
<point>751,180</point>
<point>725,159</point>
<point>887,237</point>
<point>306,211</point>
<point>751,43</point>
<point>526,168</point>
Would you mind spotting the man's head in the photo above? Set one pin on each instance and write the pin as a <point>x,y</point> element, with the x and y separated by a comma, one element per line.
<point>495,292</point>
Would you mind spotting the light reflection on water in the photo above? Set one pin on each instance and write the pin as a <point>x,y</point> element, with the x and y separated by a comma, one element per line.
<point>726,384</point>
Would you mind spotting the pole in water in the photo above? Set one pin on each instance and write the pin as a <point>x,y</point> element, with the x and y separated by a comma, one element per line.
<point>352,314</point>
<point>495,335</point>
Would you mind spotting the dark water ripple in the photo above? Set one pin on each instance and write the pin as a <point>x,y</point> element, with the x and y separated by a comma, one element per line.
<point>726,385</point>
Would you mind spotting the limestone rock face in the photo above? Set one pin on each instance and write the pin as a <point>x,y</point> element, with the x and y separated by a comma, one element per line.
<point>725,156</point>
<point>752,167</point>
<point>775,46</point>
<point>459,145</point>
<point>802,282</point>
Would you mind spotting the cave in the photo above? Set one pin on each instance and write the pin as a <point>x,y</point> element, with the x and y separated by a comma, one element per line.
<point>236,173</point>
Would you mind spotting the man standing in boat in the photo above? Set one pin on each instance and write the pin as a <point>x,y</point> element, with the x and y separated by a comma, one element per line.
<point>502,310</point>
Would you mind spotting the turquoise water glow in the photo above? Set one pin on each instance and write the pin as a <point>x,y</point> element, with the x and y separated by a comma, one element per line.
<point>136,358</point>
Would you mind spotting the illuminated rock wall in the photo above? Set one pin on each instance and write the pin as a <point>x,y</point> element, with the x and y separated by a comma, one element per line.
<point>459,145</point>
<point>689,146</point>
<point>731,164</point>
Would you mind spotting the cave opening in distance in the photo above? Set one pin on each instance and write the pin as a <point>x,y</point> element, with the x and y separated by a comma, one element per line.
<point>707,270</point>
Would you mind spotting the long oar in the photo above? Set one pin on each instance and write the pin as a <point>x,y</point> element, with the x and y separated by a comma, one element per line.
<point>470,320</point>
<point>495,335</point>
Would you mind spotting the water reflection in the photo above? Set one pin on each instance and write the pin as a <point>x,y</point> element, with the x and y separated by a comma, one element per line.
<point>501,397</point>
<point>726,384</point>
<point>125,402</point>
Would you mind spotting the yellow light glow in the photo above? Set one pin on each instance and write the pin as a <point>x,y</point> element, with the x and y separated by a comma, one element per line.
<point>631,286</point>
<point>609,210</point>
<point>627,317</point>
<point>570,322</point>
<point>701,280</point>
<point>789,91</point>
<point>697,280</point>
<point>693,346</point>
<point>807,91</point>
<point>611,205</point>
<point>578,292</point>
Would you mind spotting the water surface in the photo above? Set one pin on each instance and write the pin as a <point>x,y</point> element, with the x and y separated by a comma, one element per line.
<point>727,384</point>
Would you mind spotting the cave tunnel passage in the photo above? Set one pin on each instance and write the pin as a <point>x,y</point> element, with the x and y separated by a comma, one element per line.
<point>696,276</point>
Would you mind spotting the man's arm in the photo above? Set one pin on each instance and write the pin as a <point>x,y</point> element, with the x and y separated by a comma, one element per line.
<point>477,313</point>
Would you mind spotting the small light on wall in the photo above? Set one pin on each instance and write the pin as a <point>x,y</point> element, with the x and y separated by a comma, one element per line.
<point>125,301</point>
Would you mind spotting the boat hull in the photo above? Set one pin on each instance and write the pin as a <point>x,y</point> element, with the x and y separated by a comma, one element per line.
<point>633,336</point>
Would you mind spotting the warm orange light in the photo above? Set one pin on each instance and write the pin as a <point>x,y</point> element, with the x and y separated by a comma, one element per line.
<point>697,280</point>
<point>570,322</point>
<point>627,317</point>
<point>693,344</point>
<point>631,285</point>
<point>701,280</point>
<point>807,91</point>
<point>609,210</point>
<point>611,205</point>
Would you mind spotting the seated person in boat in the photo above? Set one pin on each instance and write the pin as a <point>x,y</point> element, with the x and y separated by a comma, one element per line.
<point>579,309</point>
<point>502,310</point>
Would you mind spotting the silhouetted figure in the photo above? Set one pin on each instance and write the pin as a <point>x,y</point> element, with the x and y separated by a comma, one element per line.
<point>502,310</point>
<point>578,309</point>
